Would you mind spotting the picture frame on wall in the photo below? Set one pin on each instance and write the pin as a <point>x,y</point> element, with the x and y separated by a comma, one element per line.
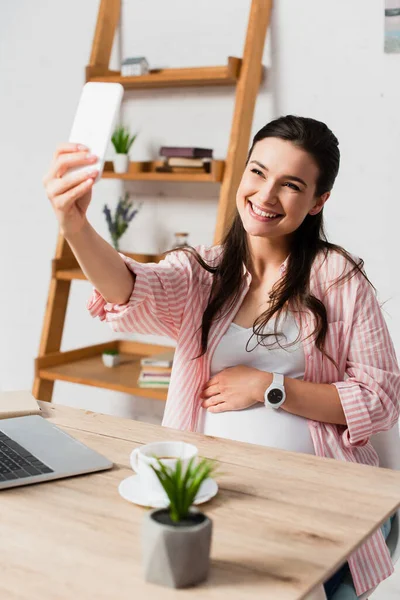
<point>392,26</point>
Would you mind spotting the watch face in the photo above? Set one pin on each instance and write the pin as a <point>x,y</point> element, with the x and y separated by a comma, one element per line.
<point>275,396</point>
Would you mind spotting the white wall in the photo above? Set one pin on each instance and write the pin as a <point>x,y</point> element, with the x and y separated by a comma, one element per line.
<point>326,61</point>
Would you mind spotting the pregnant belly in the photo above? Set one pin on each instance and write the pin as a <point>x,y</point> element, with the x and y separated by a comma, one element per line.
<point>259,425</point>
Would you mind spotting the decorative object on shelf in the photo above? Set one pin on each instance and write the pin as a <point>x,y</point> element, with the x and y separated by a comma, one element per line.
<point>176,541</point>
<point>392,26</point>
<point>154,377</point>
<point>111,358</point>
<point>164,359</point>
<point>181,159</point>
<point>122,142</point>
<point>123,215</point>
<point>134,66</point>
<point>181,240</point>
<point>185,152</point>
<point>156,370</point>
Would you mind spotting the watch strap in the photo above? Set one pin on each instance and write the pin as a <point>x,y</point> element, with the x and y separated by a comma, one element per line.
<point>277,379</point>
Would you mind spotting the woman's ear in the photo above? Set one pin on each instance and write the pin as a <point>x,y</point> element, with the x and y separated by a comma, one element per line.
<point>319,204</point>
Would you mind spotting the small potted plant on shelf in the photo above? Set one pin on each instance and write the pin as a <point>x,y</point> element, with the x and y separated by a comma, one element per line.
<point>122,142</point>
<point>111,358</point>
<point>176,541</point>
<point>123,215</point>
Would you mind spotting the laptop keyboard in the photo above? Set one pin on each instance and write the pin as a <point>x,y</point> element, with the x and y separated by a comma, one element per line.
<point>16,462</point>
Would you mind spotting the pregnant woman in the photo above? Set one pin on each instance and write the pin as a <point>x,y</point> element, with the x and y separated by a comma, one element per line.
<point>280,339</point>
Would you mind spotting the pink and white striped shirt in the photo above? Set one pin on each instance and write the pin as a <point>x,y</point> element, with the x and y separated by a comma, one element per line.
<point>169,299</point>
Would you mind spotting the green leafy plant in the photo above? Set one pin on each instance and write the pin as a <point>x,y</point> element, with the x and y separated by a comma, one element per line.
<point>112,352</point>
<point>122,140</point>
<point>181,485</point>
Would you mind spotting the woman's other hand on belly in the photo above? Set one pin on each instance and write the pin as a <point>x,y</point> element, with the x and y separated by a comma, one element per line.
<point>235,388</point>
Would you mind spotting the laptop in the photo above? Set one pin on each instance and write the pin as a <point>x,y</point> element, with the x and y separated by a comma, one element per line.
<point>33,450</point>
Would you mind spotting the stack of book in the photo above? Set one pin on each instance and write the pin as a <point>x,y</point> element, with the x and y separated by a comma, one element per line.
<point>180,159</point>
<point>156,370</point>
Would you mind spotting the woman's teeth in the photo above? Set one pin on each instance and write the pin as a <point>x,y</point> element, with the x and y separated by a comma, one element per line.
<point>262,213</point>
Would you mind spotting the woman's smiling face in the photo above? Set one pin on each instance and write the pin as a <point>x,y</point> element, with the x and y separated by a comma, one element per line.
<point>280,178</point>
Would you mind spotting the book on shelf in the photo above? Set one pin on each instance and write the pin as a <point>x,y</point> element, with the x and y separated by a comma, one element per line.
<point>163,359</point>
<point>145,383</point>
<point>177,161</point>
<point>153,376</point>
<point>146,376</point>
<point>185,170</point>
<point>150,370</point>
<point>154,379</point>
<point>185,152</point>
<point>185,165</point>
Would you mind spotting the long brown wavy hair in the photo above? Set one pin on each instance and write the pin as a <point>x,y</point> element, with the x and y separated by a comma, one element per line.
<point>293,289</point>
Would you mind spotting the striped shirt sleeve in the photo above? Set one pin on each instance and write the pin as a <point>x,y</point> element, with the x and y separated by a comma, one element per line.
<point>158,299</point>
<point>370,394</point>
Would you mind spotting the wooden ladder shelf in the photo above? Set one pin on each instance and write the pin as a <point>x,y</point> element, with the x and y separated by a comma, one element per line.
<point>84,365</point>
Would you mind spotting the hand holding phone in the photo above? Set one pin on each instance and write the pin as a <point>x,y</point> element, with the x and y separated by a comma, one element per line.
<point>79,163</point>
<point>95,119</point>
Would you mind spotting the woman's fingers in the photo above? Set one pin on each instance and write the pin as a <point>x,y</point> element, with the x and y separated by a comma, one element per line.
<point>69,147</point>
<point>69,160</point>
<point>63,202</point>
<point>60,185</point>
<point>67,156</point>
<point>66,189</point>
<point>210,391</point>
<point>212,401</point>
<point>218,408</point>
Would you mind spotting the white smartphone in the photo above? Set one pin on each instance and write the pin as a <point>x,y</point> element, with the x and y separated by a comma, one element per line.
<point>95,119</point>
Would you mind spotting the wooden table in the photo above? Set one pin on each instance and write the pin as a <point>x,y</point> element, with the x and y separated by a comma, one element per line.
<point>283,522</point>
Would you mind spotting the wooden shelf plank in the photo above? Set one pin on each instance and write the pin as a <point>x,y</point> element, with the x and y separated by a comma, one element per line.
<point>186,77</point>
<point>70,274</point>
<point>85,366</point>
<point>69,270</point>
<point>145,171</point>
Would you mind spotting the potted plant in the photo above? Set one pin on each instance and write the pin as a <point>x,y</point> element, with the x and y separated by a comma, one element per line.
<point>123,215</point>
<point>176,540</point>
<point>111,358</point>
<point>122,141</point>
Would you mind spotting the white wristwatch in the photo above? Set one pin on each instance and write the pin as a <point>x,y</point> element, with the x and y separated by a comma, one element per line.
<point>275,395</point>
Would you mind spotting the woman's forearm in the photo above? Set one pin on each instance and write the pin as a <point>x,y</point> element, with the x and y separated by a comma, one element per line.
<point>102,265</point>
<point>316,401</point>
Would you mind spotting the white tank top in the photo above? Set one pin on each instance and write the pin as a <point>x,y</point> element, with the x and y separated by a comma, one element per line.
<point>260,424</point>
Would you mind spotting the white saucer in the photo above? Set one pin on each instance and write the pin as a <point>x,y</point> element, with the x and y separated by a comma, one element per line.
<point>131,490</point>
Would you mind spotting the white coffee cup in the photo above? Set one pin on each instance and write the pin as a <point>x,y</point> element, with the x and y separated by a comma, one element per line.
<point>143,457</point>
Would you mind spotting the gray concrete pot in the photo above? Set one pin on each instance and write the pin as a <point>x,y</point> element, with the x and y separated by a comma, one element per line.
<point>174,555</point>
